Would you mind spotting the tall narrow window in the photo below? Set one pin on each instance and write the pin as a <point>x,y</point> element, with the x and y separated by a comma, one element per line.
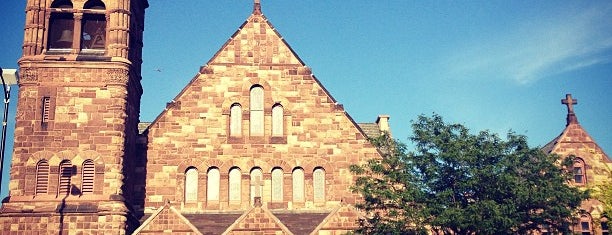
<point>605,230</point>
<point>277,185</point>
<point>61,25</point>
<point>585,225</point>
<point>579,176</point>
<point>236,120</point>
<point>318,181</point>
<point>256,184</point>
<point>65,174</point>
<point>191,184</point>
<point>94,26</point>
<point>235,185</point>
<point>257,111</point>
<point>212,184</point>
<point>42,177</point>
<point>88,175</point>
<point>277,120</point>
<point>46,109</point>
<point>298,185</point>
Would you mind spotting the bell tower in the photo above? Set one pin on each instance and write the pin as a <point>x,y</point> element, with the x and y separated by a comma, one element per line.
<point>77,119</point>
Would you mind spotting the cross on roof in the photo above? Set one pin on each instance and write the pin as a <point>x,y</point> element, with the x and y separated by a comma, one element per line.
<point>570,102</point>
<point>257,7</point>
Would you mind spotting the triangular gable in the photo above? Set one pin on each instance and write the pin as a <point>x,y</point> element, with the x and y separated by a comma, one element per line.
<point>342,219</point>
<point>255,43</point>
<point>166,219</point>
<point>301,222</point>
<point>257,219</point>
<point>575,140</point>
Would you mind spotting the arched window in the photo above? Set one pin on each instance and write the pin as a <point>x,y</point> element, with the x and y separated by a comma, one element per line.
<point>277,120</point>
<point>236,120</point>
<point>256,184</point>
<point>42,177</point>
<point>277,185</point>
<point>212,184</point>
<point>298,185</point>
<point>88,176</point>
<point>65,174</point>
<point>605,230</point>
<point>579,172</point>
<point>318,181</point>
<point>93,27</point>
<point>61,25</point>
<point>586,225</point>
<point>235,185</point>
<point>257,111</point>
<point>191,184</point>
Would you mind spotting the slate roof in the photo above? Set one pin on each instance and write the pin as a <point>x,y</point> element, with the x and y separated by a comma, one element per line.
<point>300,223</point>
<point>212,223</point>
<point>370,129</point>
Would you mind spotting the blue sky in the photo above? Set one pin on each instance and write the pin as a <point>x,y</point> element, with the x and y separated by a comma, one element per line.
<point>496,65</point>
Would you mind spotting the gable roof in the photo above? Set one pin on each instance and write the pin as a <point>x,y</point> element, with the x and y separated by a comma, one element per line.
<point>574,137</point>
<point>166,219</point>
<point>257,219</point>
<point>341,217</point>
<point>255,43</point>
<point>301,223</point>
<point>213,223</point>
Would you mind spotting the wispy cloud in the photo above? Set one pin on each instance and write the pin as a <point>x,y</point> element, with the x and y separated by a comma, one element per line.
<point>539,48</point>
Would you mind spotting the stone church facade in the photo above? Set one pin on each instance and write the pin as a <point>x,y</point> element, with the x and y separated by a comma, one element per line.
<point>592,169</point>
<point>254,144</point>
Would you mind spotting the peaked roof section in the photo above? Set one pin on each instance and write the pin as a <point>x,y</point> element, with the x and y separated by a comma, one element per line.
<point>256,42</point>
<point>342,217</point>
<point>257,219</point>
<point>299,222</point>
<point>166,219</point>
<point>574,136</point>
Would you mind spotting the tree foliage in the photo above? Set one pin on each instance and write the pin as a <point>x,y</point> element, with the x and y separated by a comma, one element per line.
<point>390,196</point>
<point>456,182</point>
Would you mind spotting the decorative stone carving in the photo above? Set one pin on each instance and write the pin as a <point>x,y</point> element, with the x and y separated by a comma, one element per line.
<point>117,76</point>
<point>28,75</point>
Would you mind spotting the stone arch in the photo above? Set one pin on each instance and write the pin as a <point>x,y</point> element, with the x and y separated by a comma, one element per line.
<point>94,4</point>
<point>259,163</point>
<point>310,165</point>
<point>211,163</point>
<point>280,163</point>
<point>37,156</point>
<point>191,162</point>
<point>67,155</point>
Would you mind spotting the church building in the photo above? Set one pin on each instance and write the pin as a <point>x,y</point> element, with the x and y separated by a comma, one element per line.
<point>254,144</point>
<point>592,169</point>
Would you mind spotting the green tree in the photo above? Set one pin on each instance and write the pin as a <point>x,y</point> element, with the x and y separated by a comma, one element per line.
<point>456,182</point>
<point>390,196</point>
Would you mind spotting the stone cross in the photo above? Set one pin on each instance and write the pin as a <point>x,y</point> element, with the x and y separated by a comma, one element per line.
<point>257,7</point>
<point>257,183</point>
<point>569,102</point>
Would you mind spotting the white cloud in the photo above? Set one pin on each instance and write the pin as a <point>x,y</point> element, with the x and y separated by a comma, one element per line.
<point>541,47</point>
